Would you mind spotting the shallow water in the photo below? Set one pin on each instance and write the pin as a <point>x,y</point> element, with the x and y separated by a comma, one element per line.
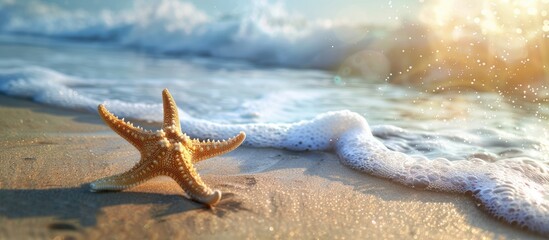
<point>450,125</point>
<point>479,133</point>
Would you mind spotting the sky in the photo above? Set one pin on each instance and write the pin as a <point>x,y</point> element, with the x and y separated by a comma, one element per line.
<point>348,10</point>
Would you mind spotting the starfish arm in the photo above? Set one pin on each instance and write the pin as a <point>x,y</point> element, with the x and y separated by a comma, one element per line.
<point>135,176</point>
<point>208,149</point>
<point>171,115</point>
<point>189,180</point>
<point>135,135</point>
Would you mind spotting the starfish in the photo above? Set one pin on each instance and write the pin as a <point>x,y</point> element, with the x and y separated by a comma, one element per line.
<point>166,152</point>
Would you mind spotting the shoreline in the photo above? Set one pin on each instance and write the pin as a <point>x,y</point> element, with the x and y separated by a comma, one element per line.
<point>49,155</point>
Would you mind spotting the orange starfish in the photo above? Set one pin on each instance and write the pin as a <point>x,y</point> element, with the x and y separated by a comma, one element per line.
<point>167,152</point>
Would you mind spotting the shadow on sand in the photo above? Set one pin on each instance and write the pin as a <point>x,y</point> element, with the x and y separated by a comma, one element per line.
<point>78,203</point>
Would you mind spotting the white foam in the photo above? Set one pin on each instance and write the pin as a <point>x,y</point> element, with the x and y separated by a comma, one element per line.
<point>50,87</point>
<point>515,190</point>
<point>42,85</point>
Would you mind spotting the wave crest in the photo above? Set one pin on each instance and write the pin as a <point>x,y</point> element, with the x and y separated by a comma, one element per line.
<point>265,34</point>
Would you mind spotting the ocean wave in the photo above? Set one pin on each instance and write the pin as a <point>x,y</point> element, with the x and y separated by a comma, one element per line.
<point>459,55</point>
<point>50,87</point>
<point>42,85</point>
<point>265,34</point>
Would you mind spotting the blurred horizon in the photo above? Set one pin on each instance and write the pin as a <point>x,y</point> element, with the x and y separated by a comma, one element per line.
<point>374,12</point>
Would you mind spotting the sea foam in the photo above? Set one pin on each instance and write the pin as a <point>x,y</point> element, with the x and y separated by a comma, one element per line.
<point>515,190</point>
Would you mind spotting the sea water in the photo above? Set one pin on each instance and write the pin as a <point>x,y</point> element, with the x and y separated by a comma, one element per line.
<point>477,143</point>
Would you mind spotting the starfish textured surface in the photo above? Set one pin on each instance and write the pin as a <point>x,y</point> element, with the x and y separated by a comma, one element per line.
<point>166,152</point>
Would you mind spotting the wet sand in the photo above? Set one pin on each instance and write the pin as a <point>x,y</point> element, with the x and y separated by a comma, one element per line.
<point>49,155</point>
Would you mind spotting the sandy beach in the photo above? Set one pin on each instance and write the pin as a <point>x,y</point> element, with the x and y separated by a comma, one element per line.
<point>49,155</point>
